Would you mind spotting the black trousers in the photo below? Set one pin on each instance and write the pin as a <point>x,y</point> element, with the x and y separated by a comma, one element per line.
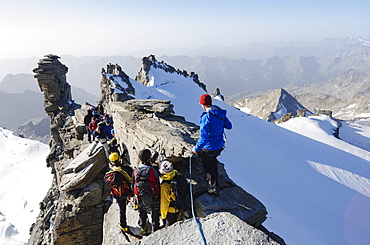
<point>172,217</point>
<point>143,216</point>
<point>210,166</point>
<point>122,210</point>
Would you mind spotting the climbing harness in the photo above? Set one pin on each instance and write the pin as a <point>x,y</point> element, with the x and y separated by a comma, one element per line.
<point>192,205</point>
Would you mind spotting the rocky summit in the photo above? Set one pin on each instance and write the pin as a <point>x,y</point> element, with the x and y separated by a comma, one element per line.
<point>76,211</point>
<point>272,106</point>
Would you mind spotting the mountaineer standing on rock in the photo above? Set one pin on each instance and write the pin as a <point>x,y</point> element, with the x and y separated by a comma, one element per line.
<point>87,120</point>
<point>146,190</point>
<point>175,196</point>
<point>119,179</point>
<point>211,142</point>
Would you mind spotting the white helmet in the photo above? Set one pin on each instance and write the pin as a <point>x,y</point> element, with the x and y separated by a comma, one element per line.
<point>165,167</point>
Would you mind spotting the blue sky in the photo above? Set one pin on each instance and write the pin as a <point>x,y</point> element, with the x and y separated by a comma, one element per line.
<point>91,27</point>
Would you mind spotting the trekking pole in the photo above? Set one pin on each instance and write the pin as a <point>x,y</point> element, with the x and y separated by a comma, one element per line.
<point>192,205</point>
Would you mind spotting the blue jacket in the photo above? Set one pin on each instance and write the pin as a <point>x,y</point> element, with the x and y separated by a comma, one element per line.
<point>104,133</point>
<point>212,124</point>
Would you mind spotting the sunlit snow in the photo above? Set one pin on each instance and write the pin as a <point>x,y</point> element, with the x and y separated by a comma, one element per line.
<point>24,182</point>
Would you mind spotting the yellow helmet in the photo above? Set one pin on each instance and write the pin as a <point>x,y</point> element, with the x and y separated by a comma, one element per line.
<point>114,157</point>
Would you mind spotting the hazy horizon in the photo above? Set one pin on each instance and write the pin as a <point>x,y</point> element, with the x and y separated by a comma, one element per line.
<point>83,28</point>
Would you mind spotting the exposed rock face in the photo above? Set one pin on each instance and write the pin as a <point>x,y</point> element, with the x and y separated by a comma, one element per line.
<point>51,76</point>
<point>73,210</point>
<point>218,94</point>
<point>218,228</point>
<point>272,106</point>
<point>120,87</point>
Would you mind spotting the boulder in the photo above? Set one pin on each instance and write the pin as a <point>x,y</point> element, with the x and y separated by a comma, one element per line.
<point>83,169</point>
<point>218,228</point>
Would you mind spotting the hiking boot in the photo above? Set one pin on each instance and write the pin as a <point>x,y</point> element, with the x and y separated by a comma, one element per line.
<point>143,232</point>
<point>211,190</point>
<point>125,229</point>
<point>214,191</point>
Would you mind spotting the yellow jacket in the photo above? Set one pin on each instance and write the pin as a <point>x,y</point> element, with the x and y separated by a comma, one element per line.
<point>167,195</point>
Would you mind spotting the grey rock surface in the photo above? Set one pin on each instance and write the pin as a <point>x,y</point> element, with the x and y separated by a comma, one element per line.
<point>218,228</point>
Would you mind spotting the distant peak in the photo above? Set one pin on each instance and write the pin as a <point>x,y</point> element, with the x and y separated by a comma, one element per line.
<point>150,62</point>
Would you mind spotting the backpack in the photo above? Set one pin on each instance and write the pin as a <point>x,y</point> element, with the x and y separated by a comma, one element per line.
<point>92,125</point>
<point>119,181</point>
<point>145,192</point>
<point>180,188</point>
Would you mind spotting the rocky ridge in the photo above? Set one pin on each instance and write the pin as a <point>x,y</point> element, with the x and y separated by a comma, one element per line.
<point>73,209</point>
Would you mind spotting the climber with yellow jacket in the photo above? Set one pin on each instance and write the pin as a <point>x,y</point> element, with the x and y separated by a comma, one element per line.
<point>169,211</point>
<point>174,195</point>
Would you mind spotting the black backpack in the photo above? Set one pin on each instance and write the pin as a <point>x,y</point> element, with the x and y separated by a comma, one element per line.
<point>180,188</point>
<point>145,196</point>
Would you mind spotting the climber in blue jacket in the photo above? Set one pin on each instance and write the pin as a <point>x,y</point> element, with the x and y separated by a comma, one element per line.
<point>211,142</point>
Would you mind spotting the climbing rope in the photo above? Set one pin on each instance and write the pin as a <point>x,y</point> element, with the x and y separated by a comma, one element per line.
<point>192,205</point>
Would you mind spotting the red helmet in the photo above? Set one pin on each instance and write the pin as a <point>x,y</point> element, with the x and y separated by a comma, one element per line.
<point>106,115</point>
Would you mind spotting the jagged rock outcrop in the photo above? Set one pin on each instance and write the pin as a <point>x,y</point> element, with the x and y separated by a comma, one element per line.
<point>272,106</point>
<point>218,94</point>
<point>72,215</point>
<point>73,209</point>
<point>151,62</point>
<point>120,87</point>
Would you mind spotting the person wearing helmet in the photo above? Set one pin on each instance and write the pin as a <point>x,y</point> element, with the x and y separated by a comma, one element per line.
<point>107,119</point>
<point>168,207</point>
<point>119,180</point>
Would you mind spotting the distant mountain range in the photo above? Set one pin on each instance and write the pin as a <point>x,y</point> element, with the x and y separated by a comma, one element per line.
<point>347,96</point>
<point>252,67</point>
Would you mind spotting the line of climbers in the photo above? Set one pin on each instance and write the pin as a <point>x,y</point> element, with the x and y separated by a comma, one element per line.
<point>99,127</point>
<point>165,195</point>
<point>170,197</point>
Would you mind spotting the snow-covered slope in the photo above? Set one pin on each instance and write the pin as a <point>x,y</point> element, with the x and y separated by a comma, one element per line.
<point>356,133</point>
<point>24,182</point>
<point>315,187</point>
